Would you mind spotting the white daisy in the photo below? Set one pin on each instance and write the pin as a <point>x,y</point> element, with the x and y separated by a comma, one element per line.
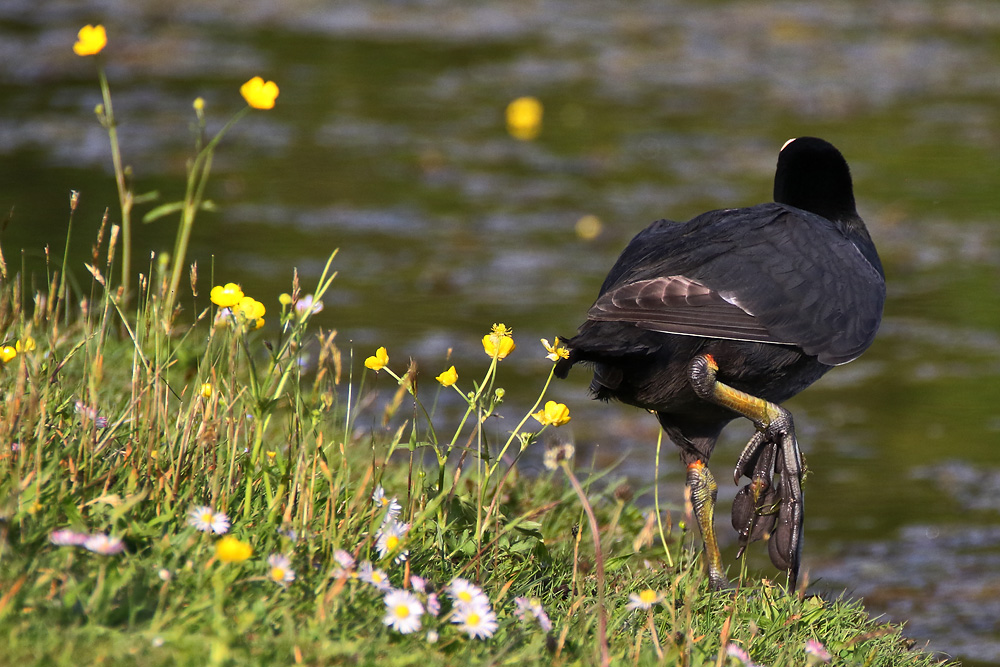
<point>207,520</point>
<point>68,538</point>
<point>739,654</point>
<point>523,608</point>
<point>345,565</point>
<point>376,578</point>
<point>478,623</point>
<point>816,649</point>
<point>533,607</point>
<point>643,599</point>
<point>465,593</point>
<point>433,604</point>
<point>543,619</point>
<point>389,537</point>
<point>279,569</point>
<point>402,611</point>
<point>390,505</point>
<point>91,414</point>
<point>418,583</point>
<point>555,455</point>
<point>344,559</point>
<point>223,318</point>
<point>104,544</point>
<point>286,531</point>
<point>308,305</point>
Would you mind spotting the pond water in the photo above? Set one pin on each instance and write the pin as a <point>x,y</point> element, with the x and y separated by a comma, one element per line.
<point>388,143</point>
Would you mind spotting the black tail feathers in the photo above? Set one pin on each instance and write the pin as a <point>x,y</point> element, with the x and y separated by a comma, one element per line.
<point>563,365</point>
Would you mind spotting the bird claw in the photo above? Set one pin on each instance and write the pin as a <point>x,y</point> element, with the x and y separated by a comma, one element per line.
<point>785,545</point>
<point>754,506</point>
<point>767,506</point>
<point>750,456</point>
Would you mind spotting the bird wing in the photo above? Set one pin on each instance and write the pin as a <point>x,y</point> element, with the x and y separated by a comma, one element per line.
<point>771,273</point>
<point>679,305</point>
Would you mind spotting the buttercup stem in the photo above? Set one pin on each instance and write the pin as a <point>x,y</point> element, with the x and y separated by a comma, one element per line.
<point>513,435</point>
<point>196,181</point>
<point>517,429</point>
<point>124,192</point>
<point>473,402</point>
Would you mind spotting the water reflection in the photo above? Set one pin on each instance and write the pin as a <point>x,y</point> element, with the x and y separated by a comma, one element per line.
<point>388,142</point>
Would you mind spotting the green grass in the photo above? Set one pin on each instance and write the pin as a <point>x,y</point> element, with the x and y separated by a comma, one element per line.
<point>119,416</point>
<point>280,449</point>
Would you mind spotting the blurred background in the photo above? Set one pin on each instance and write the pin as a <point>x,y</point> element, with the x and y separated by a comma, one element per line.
<point>388,142</point>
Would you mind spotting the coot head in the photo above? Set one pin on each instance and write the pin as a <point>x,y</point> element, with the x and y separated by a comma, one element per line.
<point>812,175</point>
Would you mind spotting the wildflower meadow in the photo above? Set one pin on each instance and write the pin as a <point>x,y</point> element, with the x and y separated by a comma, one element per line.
<point>178,486</point>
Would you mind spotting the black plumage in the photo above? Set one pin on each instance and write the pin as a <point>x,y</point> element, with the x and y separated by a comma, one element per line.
<point>775,294</point>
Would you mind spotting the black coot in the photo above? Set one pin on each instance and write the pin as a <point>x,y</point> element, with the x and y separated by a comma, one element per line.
<point>728,315</point>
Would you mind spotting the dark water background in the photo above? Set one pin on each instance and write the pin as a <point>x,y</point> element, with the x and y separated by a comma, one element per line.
<point>388,142</point>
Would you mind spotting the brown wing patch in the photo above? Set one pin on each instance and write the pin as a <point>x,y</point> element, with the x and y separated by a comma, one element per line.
<point>679,305</point>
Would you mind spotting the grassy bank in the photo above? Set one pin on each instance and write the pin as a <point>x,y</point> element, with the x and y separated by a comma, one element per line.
<point>190,475</point>
<point>115,424</point>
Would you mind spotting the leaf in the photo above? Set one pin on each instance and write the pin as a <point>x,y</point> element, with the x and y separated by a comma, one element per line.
<point>129,502</point>
<point>522,546</point>
<point>413,446</point>
<point>529,526</point>
<point>161,211</point>
<point>157,520</point>
<point>73,516</point>
<point>152,195</point>
<point>112,499</point>
<point>265,405</point>
<point>615,563</point>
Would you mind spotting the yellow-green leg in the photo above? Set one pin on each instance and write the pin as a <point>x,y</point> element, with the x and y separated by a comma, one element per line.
<point>774,441</point>
<point>704,491</point>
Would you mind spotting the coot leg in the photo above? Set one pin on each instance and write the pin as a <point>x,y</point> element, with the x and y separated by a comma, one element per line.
<point>703,494</point>
<point>775,430</point>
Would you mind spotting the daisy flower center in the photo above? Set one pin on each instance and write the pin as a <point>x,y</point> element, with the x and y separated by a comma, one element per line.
<point>402,611</point>
<point>391,542</point>
<point>278,573</point>
<point>465,596</point>
<point>473,619</point>
<point>648,596</point>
